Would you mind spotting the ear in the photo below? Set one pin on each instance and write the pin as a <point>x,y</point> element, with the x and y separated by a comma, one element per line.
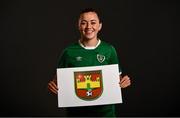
<point>100,26</point>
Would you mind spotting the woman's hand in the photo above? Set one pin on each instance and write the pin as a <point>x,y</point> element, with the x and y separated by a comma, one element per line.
<point>124,81</point>
<point>52,85</point>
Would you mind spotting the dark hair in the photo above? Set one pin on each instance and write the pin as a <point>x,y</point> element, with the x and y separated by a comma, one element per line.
<point>91,10</point>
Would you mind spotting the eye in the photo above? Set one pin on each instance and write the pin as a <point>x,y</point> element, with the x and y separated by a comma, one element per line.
<point>93,23</point>
<point>83,23</point>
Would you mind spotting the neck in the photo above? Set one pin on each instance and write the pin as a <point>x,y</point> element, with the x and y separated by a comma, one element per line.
<point>89,43</point>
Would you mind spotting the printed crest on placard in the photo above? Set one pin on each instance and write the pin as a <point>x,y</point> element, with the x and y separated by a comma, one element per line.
<point>88,84</point>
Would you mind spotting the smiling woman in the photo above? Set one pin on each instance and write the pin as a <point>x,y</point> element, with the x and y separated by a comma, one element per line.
<point>145,34</point>
<point>89,51</point>
<point>89,26</point>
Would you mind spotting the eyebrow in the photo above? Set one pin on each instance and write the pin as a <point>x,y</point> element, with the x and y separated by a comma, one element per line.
<point>87,21</point>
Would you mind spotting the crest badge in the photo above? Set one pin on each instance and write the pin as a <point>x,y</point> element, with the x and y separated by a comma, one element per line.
<point>100,58</point>
<point>88,84</point>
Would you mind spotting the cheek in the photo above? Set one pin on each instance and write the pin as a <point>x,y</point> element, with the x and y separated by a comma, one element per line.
<point>97,28</point>
<point>81,27</point>
<point>81,30</point>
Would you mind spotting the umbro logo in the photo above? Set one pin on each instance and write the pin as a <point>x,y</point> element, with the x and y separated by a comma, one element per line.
<point>78,58</point>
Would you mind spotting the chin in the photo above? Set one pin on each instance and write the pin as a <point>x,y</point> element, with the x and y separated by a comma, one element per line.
<point>89,37</point>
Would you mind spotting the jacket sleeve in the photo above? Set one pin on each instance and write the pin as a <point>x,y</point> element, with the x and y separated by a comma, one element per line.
<point>114,58</point>
<point>62,62</point>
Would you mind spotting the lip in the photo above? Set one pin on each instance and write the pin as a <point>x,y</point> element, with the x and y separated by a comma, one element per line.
<point>88,31</point>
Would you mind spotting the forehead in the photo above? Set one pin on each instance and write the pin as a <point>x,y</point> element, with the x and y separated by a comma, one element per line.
<point>89,16</point>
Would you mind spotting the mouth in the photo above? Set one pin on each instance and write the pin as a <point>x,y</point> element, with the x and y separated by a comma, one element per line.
<point>88,31</point>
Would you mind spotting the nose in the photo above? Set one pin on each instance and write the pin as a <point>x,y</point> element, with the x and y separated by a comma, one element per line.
<point>88,25</point>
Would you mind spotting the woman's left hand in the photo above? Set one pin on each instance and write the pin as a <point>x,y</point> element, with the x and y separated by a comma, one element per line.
<point>124,81</point>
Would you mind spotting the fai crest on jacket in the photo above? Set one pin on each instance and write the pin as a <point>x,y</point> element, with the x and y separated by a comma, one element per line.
<point>100,58</point>
<point>88,84</point>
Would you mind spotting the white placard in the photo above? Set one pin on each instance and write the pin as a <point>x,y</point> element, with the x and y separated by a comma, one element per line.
<point>75,92</point>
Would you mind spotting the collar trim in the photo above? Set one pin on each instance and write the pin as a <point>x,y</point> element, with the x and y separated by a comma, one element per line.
<point>89,47</point>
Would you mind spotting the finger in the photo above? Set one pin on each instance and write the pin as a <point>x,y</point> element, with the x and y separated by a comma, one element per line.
<point>53,91</point>
<point>125,84</point>
<point>52,86</point>
<point>125,78</point>
<point>55,81</point>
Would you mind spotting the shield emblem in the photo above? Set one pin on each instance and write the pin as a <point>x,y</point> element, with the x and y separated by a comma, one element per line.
<point>100,58</point>
<point>88,84</point>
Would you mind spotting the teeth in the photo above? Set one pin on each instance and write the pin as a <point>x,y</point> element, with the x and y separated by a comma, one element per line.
<point>88,31</point>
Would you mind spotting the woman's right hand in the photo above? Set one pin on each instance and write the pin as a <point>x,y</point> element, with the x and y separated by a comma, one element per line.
<point>52,85</point>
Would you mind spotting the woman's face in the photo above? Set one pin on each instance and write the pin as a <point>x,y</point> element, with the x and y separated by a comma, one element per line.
<point>89,25</point>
